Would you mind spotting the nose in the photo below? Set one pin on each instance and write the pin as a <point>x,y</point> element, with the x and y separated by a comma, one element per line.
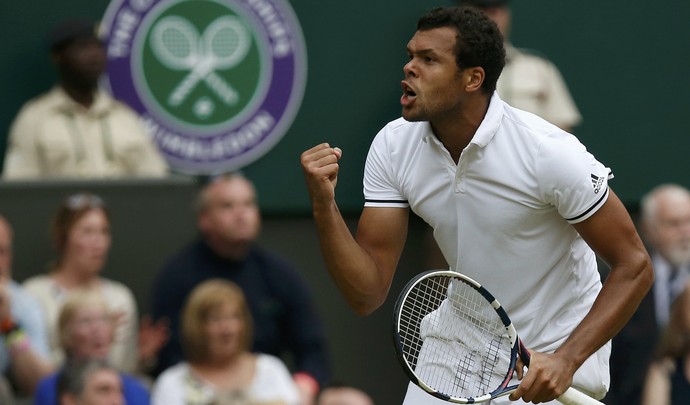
<point>409,69</point>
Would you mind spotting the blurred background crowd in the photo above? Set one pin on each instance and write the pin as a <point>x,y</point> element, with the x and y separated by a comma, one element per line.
<point>124,280</point>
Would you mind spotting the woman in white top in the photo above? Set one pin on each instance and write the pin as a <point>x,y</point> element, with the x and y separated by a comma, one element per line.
<point>220,369</point>
<point>81,234</point>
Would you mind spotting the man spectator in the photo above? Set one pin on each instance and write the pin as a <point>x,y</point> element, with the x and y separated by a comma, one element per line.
<point>24,350</point>
<point>77,130</point>
<point>90,382</point>
<point>665,227</point>
<point>285,317</point>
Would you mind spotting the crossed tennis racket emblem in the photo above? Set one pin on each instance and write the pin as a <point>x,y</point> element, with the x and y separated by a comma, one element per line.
<point>177,45</point>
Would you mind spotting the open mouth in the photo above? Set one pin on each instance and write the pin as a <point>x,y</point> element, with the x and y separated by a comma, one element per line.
<point>407,90</point>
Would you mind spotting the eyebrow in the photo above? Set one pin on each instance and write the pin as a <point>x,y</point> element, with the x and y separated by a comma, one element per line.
<point>422,52</point>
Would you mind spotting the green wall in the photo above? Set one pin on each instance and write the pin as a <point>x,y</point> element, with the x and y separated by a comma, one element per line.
<point>626,63</point>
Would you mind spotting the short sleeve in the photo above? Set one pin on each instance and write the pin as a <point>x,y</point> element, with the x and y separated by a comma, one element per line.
<point>380,186</point>
<point>571,178</point>
<point>272,381</point>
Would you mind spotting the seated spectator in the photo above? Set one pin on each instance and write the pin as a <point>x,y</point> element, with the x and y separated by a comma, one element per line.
<point>668,377</point>
<point>341,394</point>
<point>665,228</point>
<point>81,234</point>
<point>286,321</point>
<point>86,329</point>
<point>24,353</point>
<point>219,368</point>
<point>90,382</point>
<point>76,130</point>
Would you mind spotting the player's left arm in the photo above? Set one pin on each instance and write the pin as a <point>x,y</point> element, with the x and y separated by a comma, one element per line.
<point>612,235</point>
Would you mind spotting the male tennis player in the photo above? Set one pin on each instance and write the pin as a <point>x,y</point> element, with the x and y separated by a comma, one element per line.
<point>515,203</point>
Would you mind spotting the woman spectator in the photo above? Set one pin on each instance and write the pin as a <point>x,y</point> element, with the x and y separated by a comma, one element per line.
<point>219,368</point>
<point>85,328</point>
<point>81,235</point>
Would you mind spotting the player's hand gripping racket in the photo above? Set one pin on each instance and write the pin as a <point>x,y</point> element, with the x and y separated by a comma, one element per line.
<point>456,342</point>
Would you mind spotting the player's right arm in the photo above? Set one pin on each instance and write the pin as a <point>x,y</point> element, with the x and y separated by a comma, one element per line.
<point>362,267</point>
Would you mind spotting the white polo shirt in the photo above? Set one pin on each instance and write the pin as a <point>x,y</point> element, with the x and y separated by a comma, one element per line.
<point>502,215</point>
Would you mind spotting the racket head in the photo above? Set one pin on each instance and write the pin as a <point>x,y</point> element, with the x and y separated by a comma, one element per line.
<point>175,42</point>
<point>226,42</point>
<point>453,338</point>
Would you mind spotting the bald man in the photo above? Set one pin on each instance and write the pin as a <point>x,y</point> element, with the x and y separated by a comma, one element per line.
<point>665,228</point>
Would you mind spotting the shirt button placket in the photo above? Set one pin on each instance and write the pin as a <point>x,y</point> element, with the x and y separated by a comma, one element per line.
<point>460,186</point>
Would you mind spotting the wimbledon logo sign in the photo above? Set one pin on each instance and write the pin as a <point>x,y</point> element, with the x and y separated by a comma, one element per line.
<point>217,82</point>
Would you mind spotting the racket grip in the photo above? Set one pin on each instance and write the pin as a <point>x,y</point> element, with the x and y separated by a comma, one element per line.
<point>575,397</point>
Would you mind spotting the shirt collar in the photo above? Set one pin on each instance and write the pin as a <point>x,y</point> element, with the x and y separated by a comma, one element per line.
<point>487,129</point>
<point>489,125</point>
<point>663,268</point>
<point>102,103</point>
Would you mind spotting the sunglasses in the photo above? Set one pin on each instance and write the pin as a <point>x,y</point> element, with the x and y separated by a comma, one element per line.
<point>84,200</point>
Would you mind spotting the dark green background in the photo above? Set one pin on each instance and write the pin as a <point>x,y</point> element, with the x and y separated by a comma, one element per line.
<point>626,63</point>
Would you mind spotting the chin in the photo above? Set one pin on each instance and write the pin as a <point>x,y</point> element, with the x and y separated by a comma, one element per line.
<point>411,117</point>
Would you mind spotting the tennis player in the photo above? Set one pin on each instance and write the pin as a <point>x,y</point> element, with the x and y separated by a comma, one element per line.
<point>515,203</point>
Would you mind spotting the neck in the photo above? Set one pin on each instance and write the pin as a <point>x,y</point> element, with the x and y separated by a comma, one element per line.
<point>456,131</point>
<point>232,251</point>
<point>219,363</point>
<point>81,94</point>
<point>69,278</point>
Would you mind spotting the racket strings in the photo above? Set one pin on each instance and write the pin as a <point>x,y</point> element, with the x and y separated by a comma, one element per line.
<point>225,42</point>
<point>177,43</point>
<point>453,338</point>
<point>422,300</point>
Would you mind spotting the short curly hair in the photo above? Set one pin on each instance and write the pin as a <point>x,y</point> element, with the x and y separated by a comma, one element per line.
<point>479,42</point>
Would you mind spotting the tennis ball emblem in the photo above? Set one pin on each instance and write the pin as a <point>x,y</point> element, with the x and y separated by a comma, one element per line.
<point>178,46</point>
<point>191,63</point>
<point>218,82</point>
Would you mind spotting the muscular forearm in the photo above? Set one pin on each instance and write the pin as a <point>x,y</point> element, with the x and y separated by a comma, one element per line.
<point>551,374</point>
<point>620,296</point>
<point>350,265</point>
<point>362,268</point>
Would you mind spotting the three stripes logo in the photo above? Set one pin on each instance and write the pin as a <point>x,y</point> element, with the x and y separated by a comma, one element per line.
<point>217,82</point>
<point>597,182</point>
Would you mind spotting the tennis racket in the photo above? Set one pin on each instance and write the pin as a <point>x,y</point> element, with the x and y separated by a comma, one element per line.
<point>456,342</point>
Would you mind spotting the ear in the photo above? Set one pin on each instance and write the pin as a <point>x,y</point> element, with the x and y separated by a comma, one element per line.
<point>473,79</point>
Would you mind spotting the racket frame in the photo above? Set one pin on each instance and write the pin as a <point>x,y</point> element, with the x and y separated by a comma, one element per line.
<point>504,388</point>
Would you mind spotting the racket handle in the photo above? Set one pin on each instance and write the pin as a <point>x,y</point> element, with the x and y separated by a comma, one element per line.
<point>575,397</point>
